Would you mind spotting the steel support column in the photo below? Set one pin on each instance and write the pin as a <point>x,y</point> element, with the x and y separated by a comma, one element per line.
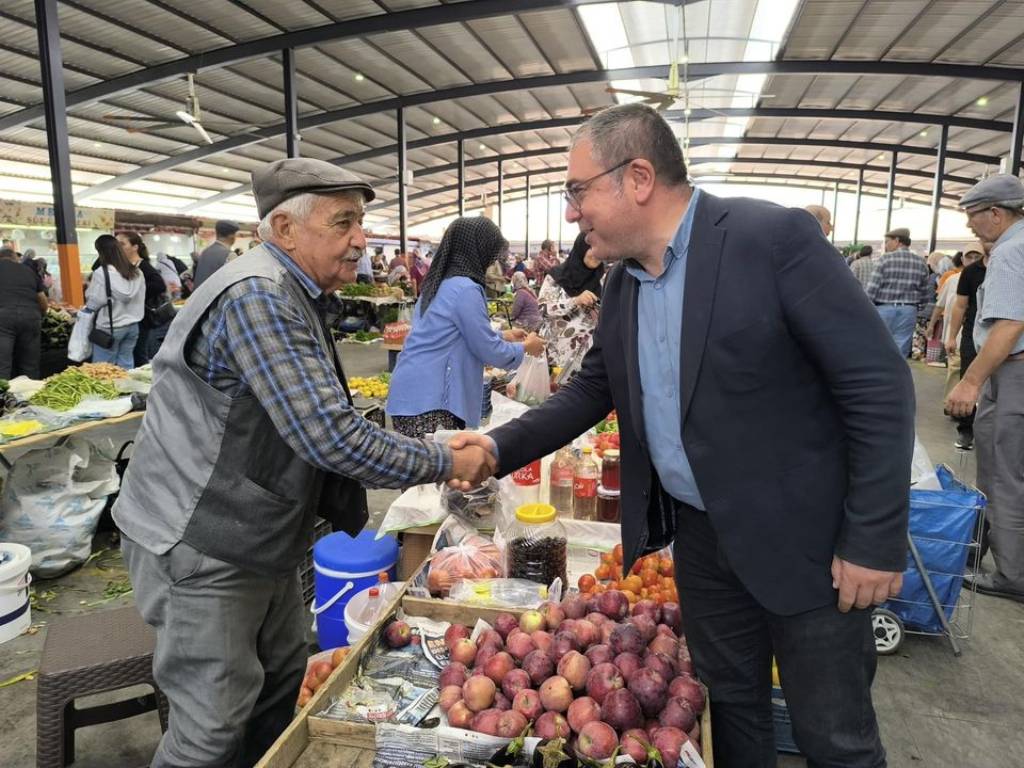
<point>51,65</point>
<point>547,216</point>
<point>291,107</point>
<point>526,240</point>
<point>1017,142</point>
<point>856,210</point>
<point>835,209</point>
<point>501,192</point>
<point>402,191</point>
<point>889,190</point>
<point>462,176</point>
<point>940,169</point>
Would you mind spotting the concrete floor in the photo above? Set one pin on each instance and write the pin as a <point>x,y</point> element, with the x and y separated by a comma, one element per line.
<point>934,709</point>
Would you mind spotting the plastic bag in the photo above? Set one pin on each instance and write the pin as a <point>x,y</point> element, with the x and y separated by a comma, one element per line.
<point>532,383</point>
<point>499,593</point>
<point>79,346</point>
<point>478,505</point>
<point>52,501</point>
<point>475,557</point>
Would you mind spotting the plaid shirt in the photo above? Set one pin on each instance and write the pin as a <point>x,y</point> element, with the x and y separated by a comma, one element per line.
<point>900,277</point>
<point>255,341</point>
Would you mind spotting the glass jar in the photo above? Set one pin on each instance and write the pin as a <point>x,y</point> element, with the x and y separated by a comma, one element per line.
<point>607,505</point>
<point>536,545</point>
<point>610,470</point>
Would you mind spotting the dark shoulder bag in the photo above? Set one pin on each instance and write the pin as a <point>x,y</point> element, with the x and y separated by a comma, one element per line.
<point>98,336</point>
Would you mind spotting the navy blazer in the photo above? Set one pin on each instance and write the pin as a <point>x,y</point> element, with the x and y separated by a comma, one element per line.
<point>797,407</point>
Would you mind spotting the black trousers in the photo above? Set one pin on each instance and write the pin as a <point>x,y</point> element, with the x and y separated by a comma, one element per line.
<point>19,342</point>
<point>967,355</point>
<point>826,664</point>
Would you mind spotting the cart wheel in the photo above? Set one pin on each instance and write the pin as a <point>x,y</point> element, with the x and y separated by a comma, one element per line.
<point>888,630</point>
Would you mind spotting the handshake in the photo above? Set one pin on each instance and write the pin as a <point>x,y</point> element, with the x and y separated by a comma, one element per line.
<point>474,459</point>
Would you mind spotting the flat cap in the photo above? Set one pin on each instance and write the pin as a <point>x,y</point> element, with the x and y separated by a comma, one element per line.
<point>282,179</point>
<point>900,233</point>
<point>1003,190</point>
<point>225,228</point>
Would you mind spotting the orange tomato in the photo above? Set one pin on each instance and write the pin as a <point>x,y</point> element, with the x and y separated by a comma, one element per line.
<point>607,558</point>
<point>633,583</point>
<point>630,596</point>
<point>617,553</point>
<point>665,566</point>
<point>603,571</point>
<point>617,571</point>
<point>586,582</point>
<point>650,578</point>
<point>636,567</point>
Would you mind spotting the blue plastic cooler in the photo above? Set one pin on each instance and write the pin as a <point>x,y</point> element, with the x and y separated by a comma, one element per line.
<point>343,566</point>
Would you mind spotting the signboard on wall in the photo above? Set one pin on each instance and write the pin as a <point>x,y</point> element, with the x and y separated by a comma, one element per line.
<point>20,213</point>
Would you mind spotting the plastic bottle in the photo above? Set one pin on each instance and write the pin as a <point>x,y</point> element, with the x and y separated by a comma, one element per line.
<point>384,587</point>
<point>563,468</point>
<point>584,487</point>
<point>373,606</point>
<point>527,482</point>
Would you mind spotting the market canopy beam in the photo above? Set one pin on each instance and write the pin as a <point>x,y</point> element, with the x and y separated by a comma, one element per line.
<point>696,71</point>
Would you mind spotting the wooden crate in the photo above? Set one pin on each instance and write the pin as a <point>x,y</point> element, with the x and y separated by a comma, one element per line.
<point>314,741</point>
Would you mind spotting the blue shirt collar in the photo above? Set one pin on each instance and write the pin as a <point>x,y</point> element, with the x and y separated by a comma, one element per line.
<point>304,280</point>
<point>676,246</point>
<point>1012,231</point>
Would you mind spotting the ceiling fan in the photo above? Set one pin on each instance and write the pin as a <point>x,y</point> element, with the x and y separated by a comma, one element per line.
<point>190,115</point>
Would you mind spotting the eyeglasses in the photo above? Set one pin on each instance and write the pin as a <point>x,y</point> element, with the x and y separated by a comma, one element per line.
<point>573,193</point>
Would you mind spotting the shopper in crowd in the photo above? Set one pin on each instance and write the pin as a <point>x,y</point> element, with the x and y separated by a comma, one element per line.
<point>398,260</point>
<point>519,265</point>
<point>995,380</point>
<point>22,306</point>
<point>525,312</point>
<point>495,282</point>
<point>544,261</point>
<point>169,274</point>
<point>152,329</point>
<point>215,255</point>
<point>823,216</point>
<point>121,306</point>
<point>899,287</point>
<point>451,339</point>
<point>364,269</point>
<point>250,433</point>
<point>568,302</point>
<point>950,266</point>
<point>863,265</point>
<point>938,317</point>
<point>767,426</point>
<point>380,267</point>
<point>961,326</point>
<point>418,268</point>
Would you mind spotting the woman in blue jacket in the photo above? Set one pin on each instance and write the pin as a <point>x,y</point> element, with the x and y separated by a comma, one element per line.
<point>438,382</point>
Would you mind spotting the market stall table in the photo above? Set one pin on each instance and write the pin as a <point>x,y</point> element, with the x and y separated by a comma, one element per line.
<point>34,440</point>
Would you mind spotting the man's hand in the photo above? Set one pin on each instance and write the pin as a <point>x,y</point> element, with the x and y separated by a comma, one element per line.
<point>951,346</point>
<point>860,587</point>
<point>962,399</point>
<point>514,334</point>
<point>473,460</point>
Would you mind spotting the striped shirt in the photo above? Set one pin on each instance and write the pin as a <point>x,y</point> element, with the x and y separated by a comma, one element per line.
<point>862,269</point>
<point>1001,296</point>
<point>900,277</point>
<point>255,341</point>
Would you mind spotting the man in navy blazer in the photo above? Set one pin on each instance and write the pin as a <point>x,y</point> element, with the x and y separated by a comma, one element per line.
<point>766,421</point>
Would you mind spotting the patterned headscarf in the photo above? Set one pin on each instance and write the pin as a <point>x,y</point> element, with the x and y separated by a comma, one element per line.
<point>469,246</point>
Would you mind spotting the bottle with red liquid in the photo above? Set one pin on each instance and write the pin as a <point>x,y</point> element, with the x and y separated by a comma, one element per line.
<point>584,487</point>
<point>560,482</point>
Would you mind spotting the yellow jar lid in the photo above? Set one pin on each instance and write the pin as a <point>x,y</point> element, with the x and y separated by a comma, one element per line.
<point>535,513</point>
<point>611,453</point>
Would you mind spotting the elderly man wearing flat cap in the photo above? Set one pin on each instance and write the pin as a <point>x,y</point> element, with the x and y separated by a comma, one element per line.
<point>217,253</point>
<point>899,287</point>
<point>249,435</point>
<point>995,380</point>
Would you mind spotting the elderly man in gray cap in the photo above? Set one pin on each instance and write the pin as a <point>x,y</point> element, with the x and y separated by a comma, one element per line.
<point>995,380</point>
<point>249,436</point>
<point>899,287</point>
<point>217,253</point>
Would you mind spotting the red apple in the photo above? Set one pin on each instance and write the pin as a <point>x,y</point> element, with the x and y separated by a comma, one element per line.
<point>635,742</point>
<point>671,615</point>
<point>643,622</point>
<point>648,608</point>
<point>449,695</point>
<point>574,667</point>
<point>459,715</point>
<point>551,725</point>
<point>455,632</point>
<point>515,681</point>
<point>553,615</point>
<point>626,638</point>
<point>678,713</point>
<point>664,644</point>
<point>519,645</point>
<point>528,702</point>
<point>539,666</point>
<point>511,724</point>
<point>464,651</point>
<point>689,689</point>
<point>621,710</point>
<point>486,722</point>
<point>454,674</point>
<point>597,740</point>
<point>556,694</point>
<point>543,640</point>
<point>650,690</point>
<point>502,702</point>
<point>599,654</point>
<point>564,642</point>
<point>597,619</point>
<point>531,621</point>
<point>613,604</point>
<point>478,692</point>
<point>490,637</point>
<point>628,664</point>
<point>669,742</point>
<point>582,711</point>
<point>574,607</point>
<point>499,665</point>
<point>603,679</point>
<point>398,634</point>
<point>504,623</point>
<point>484,653</point>
<point>661,664</point>
<point>587,633</point>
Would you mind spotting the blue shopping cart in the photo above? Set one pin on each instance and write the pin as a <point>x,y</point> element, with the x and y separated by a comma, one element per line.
<point>943,541</point>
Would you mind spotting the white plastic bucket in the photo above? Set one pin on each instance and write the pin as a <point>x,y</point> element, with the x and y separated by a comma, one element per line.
<point>15,612</point>
<point>357,629</point>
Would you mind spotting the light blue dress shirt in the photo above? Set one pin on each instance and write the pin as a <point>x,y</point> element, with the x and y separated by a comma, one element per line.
<point>659,341</point>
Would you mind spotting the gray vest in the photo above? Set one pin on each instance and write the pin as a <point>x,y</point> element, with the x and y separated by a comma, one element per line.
<point>211,469</point>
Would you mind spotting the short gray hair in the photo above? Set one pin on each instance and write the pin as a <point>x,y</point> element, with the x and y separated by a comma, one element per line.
<point>629,131</point>
<point>298,207</point>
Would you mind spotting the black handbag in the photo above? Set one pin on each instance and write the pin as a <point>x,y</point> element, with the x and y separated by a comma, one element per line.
<point>162,313</point>
<point>98,336</point>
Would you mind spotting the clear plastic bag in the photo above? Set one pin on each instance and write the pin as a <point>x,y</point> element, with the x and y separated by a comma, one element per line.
<point>478,505</point>
<point>532,382</point>
<point>475,557</point>
<point>501,593</point>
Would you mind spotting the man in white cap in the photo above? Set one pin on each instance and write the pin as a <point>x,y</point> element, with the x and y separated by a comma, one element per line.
<point>995,380</point>
<point>249,435</point>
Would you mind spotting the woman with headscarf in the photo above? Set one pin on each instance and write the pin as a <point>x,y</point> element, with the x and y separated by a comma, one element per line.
<point>568,302</point>
<point>438,382</point>
<point>525,310</point>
